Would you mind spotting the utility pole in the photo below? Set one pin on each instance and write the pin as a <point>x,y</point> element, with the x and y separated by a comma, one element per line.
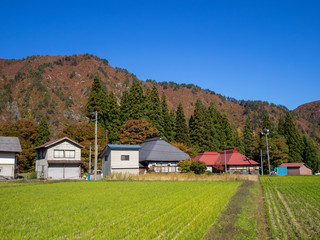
<point>95,147</point>
<point>225,158</point>
<point>90,159</point>
<point>266,133</point>
<point>261,162</point>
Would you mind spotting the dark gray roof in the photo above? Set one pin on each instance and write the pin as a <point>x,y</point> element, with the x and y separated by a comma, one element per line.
<point>10,144</point>
<point>156,149</point>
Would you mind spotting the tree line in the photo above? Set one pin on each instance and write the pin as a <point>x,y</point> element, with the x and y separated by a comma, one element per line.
<point>144,114</point>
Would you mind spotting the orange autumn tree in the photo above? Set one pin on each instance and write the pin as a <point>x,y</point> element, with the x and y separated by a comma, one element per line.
<point>136,131</point>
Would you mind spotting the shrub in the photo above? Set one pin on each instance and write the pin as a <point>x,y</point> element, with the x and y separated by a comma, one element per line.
<point>198,167</point>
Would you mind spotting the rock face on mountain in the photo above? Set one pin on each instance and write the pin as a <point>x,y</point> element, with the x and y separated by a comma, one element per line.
<point>58,87</point>
<point>310,110</point>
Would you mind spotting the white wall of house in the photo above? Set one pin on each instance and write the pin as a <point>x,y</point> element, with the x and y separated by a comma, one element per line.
<point>7,164</point>
<point>164,167</point>
<point>114,161</point>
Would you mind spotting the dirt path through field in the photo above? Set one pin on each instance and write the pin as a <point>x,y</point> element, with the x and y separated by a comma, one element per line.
<point>245,216</point>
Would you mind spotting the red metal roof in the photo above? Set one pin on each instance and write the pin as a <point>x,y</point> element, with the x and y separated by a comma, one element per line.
<point>209,158</point>
<point>291,164</point>
<point>233,157</point>
<point>47,144</point>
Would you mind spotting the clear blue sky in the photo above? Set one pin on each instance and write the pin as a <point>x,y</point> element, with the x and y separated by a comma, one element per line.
<point>257,50</point>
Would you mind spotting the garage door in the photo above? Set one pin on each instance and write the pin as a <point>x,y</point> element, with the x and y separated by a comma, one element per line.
<point>55,171</point>
<point>72,171</point>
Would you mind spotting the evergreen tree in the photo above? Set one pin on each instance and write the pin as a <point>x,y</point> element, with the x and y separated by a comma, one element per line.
<point>167,122</point>
<point>310,154</point>
<point>111,118</point>
<point>293,138</point>
<point>97,101</point>
<point>267,124</point>
<point>182,133</point>
<point>238,142</point>
<point>227,138</point>
<point>154,107</point>
<point>279,150</point>
<point>281,129</point>
<point>124,107</point>
<point>213,127</point>
<point>198,132</point>
<point>137,101</point>
<point>248,139</point>
<point>44,133</point>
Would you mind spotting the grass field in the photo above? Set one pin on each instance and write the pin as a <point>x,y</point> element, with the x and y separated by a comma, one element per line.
<point>112,210</point>
<point>293,206</point>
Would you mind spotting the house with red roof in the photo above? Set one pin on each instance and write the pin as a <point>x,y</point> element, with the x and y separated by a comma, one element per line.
<point>59,159</point>
<point>236,162</point>
<point>296,169</point>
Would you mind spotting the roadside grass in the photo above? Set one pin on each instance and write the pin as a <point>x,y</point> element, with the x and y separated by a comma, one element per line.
<point>182,177</point>
<point>112,209</point>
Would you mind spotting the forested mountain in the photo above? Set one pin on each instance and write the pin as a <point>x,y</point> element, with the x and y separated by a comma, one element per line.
<point>59,88</point>
<point>310,111</point>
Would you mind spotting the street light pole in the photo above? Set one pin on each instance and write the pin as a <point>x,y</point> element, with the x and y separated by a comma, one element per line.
<point>95,147</point>
<point>266,133</point>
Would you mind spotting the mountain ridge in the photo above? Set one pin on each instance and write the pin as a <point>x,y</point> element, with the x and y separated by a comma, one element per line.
<point>58,86</point>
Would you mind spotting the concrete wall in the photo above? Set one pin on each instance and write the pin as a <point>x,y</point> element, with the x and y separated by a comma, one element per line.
<point>42,168</point>
<point>7,164</point>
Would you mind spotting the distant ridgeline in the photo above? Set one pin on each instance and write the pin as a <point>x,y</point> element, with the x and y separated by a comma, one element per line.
<point>66,89</point>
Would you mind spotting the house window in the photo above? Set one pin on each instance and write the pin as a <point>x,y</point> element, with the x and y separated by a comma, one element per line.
<point>125,157</point>
<point>43,155</point>
<point>69,153</point>
<point>58,153</point>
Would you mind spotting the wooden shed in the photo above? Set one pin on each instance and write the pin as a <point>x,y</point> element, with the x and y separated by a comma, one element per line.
<point>296,169</point>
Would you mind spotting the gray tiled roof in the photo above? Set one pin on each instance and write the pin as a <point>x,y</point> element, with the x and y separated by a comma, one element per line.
<point>156,149</point>
<point>10,144</point>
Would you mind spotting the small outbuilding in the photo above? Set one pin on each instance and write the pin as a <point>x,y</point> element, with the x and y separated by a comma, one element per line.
<point>160,156</point>
<point>9,147</point>
<point>118,158</point>
<point>296,169</point>
<point>59,159</point>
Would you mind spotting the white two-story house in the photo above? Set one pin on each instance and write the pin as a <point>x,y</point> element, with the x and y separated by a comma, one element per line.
<point>120,159</point>
<point>59,159</point>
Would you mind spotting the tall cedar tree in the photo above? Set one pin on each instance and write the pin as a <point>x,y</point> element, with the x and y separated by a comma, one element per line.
<point>238,142</point>
<point>310,154</point>
<point>182,133</point>
<point>198,132</point>
<point>280,129</point>
<point>112,121</point>
<point>294,140</point>
<point>167,121</point>
<point>44,133</point>
<point>227,138</point>
<point>124,107</point>
<point>154,107</point>
<point>97,101</point>
<point>213,125</point>
<point>248,138</point>
<point>137,101</point>
<point>267,124</point>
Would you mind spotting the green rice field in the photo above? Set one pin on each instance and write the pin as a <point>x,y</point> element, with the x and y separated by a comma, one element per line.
<point>293,206</point>
<point>113,210</point>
